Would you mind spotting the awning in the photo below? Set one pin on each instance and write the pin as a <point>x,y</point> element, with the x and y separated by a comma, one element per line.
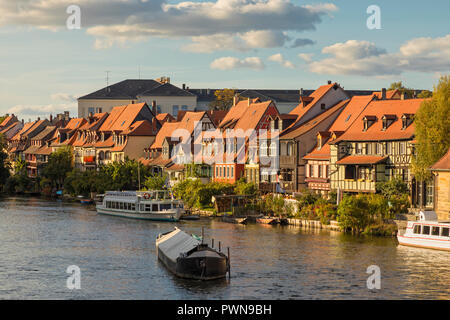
<point>361,160</point>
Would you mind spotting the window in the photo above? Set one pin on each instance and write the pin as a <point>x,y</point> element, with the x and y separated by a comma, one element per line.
<point>445,232</point>
<point>379,148</point>
<point>217,171</point>
<point>263,149</point>
<point>350,172</point>
<point>402,148</point>
<point>348,118</point>
<point>362,173</point>
<point>417,228</point>
<point>359,148</point>
<point>430,194</point>
<point>426,230</point>
<point>273,149</point>
<point>389,148</point>
<point>322,106</point>
<point>290,147</point>
<point>232,172</point>
<point>228,172</point>
<point>175,109</point>
<point>435,231</point>
<point>165,206</point>
<point>158,109</point>
<point>184,107</point>
<point>220,172</point>
<point>91,110</point>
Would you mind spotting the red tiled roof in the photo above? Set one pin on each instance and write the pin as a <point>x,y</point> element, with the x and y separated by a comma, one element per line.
<point>141,128</point>
<point>165,131</point>
<point>352,110</point>
<point>301,109</point>
<point>389,94</point>
<point>163,117</point>
<point>319,154</point>
<point>294,133</point>
<point>378,109</point>
<point>108,143</point>
<point>443,164</point>
<point>357,159</point>
<point>237,111</point>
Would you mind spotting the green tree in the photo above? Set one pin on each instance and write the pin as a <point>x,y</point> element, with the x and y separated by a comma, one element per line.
<point>353,213</point>
<point>244,188</point>
<point>425,94</point>
<point>402,89</point>
<point>432,132</point>
<point>58,166</point>
<point>156,182</point>
<point>224,99</point>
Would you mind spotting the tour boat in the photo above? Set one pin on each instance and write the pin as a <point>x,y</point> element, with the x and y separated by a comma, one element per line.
<point>148,205</point>
<point>188,257</point>
<point>426,232</point>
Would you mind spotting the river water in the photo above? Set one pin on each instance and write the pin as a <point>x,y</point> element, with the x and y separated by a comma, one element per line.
<point>39,239</point>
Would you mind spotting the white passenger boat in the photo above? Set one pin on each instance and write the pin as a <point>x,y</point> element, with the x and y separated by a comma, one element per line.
<point>427,232</point>
<point>148,205</point>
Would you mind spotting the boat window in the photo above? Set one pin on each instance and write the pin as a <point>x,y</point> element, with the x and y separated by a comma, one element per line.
<point>426,230</point>
<point>147,207</point>
<point>165,206</point>
<point>435,231</point>
<point>133,207</point>
<point>417,228</point>
<point>445,232</point>
<point>154,207</point>
<point>142,207</point>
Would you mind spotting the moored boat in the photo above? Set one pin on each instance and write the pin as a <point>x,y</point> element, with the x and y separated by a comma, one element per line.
<point>237,220</point>
<point>267,220</point>
<point>149,205</point>
<point>427,232</point>
<point>188,257</point>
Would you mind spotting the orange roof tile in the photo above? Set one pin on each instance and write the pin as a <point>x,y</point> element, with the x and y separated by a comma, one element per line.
<point>378,108</point>
<point>305,127</point>
<point>390,94</point>
<point>361,160</point>
<point>443,164</point>
<point>166,131</point>
<point>301,109</point>
<point>352,110</point>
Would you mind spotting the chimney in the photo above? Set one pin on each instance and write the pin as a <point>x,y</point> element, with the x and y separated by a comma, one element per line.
<point>22,121</point>
<point>402,96</point>
<point>248,101</point>
<point>184,86</point>
<point>51,118</point>
<point>383,94</point>
<point>154,109</point>
<point>329,81</point>
<point>301,92</point>
<point>66,115</point>
<point>39,118</point>
<point>235,99</point>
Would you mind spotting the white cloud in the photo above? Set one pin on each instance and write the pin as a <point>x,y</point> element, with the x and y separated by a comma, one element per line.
<point>307,57</point>
<point>64,102</point>
<point>365,58</point>
<point>250,23</point>
<point>63,97</point>
<point>280,59</point>
<point>229,63</point>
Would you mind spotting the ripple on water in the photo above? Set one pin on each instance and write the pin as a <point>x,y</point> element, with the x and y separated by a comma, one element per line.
<point>41,238</point>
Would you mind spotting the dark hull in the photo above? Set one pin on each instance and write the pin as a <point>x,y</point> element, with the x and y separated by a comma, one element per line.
<point>202,264</point>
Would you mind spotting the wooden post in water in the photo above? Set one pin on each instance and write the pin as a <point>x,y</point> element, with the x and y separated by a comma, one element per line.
<point>212,243</point>
<point>203,233</point>
<point>229,265</point>
<point>219,246</point>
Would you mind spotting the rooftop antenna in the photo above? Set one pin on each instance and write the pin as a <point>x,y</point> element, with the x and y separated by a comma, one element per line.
<point>107,80</point>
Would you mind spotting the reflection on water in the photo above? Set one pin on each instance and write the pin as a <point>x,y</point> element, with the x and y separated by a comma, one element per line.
<point>117,258</point>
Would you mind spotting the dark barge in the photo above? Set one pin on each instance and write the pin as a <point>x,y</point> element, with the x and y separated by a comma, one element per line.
<point>189,258</point>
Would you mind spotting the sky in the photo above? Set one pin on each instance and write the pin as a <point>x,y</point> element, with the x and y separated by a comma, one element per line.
<point>260,44</point>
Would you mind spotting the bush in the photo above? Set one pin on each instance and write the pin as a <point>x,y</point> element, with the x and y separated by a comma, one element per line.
<point>352,213</point>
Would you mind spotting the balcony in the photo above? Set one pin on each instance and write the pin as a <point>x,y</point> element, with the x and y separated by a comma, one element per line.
<point>89,159</point>
<point>287,161</point>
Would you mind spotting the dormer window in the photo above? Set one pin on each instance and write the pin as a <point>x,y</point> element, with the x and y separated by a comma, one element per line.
<point>407,119</point>
<point>388,119</point>
<point>369,121</point>
<point>322,106</point>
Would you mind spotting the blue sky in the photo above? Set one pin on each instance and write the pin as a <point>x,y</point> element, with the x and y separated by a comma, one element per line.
<point>44,66</point>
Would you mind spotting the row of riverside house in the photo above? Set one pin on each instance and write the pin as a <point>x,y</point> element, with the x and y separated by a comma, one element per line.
<point>329,141</point>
